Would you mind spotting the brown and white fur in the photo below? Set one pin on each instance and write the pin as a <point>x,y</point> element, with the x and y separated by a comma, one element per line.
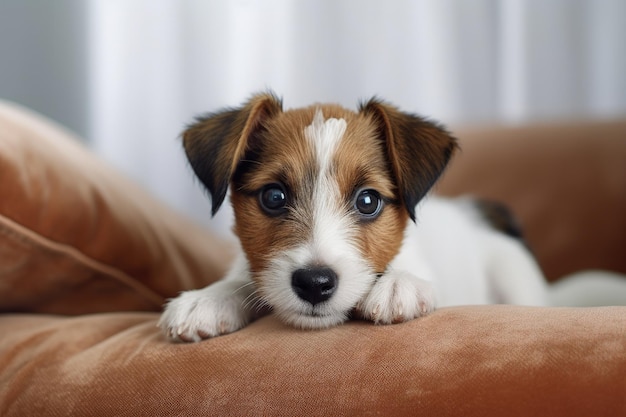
<point>305,186</point>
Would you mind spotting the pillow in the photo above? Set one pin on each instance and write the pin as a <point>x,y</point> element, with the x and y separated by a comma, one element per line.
<point>76,237</point>
<point>461,361</point>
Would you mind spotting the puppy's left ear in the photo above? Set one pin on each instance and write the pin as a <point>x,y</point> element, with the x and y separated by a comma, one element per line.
<point>418,150</point>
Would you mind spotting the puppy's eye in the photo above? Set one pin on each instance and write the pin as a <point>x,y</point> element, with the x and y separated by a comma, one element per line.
<point>273,199</point>
<point>368,203</point>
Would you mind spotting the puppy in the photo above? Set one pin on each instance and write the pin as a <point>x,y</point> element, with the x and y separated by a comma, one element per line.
<point>331,212</point>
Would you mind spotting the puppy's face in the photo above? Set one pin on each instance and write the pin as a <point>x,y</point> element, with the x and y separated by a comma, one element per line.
<point>321,196</point>
<point>317,213</point>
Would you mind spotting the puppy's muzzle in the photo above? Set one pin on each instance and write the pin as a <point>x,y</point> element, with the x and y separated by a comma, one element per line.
<point>314,284</point>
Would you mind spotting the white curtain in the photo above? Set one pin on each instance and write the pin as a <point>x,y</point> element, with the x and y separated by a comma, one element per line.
<point>154,64</point>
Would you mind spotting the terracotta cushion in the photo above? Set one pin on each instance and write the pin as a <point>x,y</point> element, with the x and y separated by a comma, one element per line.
<point>566,182</point>
<point>76,237</point>
<point>464,361</point>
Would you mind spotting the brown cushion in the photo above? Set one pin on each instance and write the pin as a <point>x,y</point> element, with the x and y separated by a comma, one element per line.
<point>464,361</point>
<point>76,237</point>
<point>566,182</point>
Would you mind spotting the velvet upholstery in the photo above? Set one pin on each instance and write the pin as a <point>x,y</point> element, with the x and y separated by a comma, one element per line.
<point>76,237</point>
<point>462,361</point>
<point>79,241</point>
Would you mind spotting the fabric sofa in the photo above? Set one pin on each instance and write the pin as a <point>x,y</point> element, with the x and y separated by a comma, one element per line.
<point>87,259</point>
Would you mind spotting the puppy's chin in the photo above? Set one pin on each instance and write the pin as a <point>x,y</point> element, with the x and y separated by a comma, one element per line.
<point>311,320</point>
<point>294,312</point>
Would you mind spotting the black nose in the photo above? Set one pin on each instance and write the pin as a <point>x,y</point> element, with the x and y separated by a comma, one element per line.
<point>314,285</point>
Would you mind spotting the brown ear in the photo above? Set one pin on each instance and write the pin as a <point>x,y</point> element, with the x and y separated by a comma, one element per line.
<point>418,150</point>
<point>216,142</point>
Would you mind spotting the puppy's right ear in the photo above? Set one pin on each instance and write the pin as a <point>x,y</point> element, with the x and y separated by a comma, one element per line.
<point>216,143</point>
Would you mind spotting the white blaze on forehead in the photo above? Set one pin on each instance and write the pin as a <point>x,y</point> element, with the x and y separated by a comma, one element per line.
<point>324,135</point>
<point>331,227</point>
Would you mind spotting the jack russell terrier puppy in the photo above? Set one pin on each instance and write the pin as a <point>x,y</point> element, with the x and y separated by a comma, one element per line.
<point>334,221</point>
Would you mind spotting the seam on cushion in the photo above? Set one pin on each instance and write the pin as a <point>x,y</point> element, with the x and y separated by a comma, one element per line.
<point>15,230</point>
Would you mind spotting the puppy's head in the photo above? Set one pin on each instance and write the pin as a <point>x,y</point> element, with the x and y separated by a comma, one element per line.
<point>321,195</point>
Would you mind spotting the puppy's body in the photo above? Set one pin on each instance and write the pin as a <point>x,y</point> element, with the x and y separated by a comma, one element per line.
<point>323,200</point>
<point>454,246</point>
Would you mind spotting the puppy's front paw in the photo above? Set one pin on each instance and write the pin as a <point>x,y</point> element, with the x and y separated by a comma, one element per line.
<point>200,314</point>
<point>396,297</point>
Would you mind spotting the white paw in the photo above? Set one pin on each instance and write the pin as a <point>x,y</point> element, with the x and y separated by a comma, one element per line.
<point>212,311</point>
<point>396,297</point>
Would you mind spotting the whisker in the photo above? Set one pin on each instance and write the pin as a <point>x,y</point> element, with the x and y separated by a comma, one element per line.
<point>243,286</point>
<point>254,302</point>
<point>249,299</point>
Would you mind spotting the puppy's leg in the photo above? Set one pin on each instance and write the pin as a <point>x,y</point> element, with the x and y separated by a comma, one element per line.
<point>222,307</point>
<point>395,297</point>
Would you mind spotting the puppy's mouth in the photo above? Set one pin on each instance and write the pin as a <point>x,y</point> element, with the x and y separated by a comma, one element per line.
<point>316,317</point>
<point>315,312</point>
<point>320,310</point>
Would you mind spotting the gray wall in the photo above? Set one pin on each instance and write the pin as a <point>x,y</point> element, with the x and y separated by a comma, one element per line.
<point>43,58</point>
